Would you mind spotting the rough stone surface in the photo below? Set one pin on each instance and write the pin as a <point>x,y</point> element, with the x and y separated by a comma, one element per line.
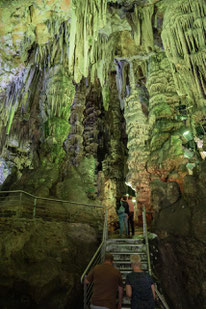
<point>94,94</point>
<point>41,262</point>
<point>181,227</point>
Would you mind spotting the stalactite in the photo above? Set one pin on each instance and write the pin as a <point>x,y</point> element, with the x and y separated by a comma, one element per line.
<point>113,164</point>
<point>18,97</point>
<point>141,22</point>
<point>121,81</point>
<point>84,34</point>
<point>91,123</point>
<point>74,143</point>
<point>184,40</point>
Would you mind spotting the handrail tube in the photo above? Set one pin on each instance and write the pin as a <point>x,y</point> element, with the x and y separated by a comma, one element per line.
<point>49,199</point>
<point>34,209</point>
<point>161,297</point>
<point>148,256</point>
<point>104,238</point>
<point>146,239</point>
<point>90,263</point>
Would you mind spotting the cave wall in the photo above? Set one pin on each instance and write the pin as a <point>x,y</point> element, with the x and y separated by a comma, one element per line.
<point>180,248</point>
<point>42,262</point>
<point>158,59</point>
<point>96,94</point>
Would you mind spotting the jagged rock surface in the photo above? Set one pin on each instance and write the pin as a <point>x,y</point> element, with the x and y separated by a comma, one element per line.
<point>68,131</point>
<point>180,224</point>
<point>41,262</point>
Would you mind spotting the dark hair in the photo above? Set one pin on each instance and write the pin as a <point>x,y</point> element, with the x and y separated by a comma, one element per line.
<point>109,257</point>
<point>124,197</point>
<point>130,197</point>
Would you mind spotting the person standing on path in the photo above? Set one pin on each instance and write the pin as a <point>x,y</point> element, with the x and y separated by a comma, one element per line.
<point>131,215</point>
<point>107,282</point>
<point>126,207</point>
<point>122,216</point>
<point>140,286</point>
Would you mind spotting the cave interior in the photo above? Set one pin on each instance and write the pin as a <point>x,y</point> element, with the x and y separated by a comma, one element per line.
<point>99,98</point>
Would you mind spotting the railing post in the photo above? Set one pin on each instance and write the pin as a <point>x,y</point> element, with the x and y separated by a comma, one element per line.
<point>146,238</point>
<point>85,295</point>
<point>34,209</point>
<point>20,198</point>
<point>106,225</point>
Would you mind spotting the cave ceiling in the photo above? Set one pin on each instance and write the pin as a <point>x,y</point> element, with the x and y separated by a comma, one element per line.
<point>155,48</point>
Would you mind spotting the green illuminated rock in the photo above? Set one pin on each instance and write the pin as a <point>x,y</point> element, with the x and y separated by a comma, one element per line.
<point>98,93</point>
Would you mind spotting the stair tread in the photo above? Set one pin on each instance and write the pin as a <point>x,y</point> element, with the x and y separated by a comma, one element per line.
<point>126,262</point>
<point>128,245</point>
<point>121,253</point>
<point>125,240</point>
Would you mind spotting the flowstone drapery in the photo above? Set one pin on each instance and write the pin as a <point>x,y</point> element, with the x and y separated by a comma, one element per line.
<point>72,133</point>
<point>55,105</point>
<point>166,151</point>
<point>184,41</point>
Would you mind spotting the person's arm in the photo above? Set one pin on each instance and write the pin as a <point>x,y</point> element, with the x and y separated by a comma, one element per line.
<point>120,293</point>
<point>128,290</point>
<point>90,277</point>
<point>153,290</point>
<point>86,281</point>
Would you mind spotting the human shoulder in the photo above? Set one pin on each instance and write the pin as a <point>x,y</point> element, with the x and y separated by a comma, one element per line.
<point>149,278</point>
<point>129,278</point>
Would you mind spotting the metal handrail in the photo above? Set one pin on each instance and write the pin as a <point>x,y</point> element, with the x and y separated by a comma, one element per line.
<point>161,297</point>
<point>146,239</point>
<point>102,245</point>
<point>16,196</point>
<point>50,199</point>
<point>144,219</point>
<point>96,259</point>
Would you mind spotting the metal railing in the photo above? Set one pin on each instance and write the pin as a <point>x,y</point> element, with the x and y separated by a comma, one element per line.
<point>158,294</point>
<point>22,204</point>
<point>144,220</point>
<point>96,259</point>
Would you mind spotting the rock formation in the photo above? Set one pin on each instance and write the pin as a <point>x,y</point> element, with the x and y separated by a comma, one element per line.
<point>100,97</point>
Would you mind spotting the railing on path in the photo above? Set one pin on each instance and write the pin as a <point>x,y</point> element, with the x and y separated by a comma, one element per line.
<point>22,204</point>
<point>158,294</point>
<point>98,259</point>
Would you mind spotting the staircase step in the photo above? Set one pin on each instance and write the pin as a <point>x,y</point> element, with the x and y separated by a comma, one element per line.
<point>127,240</point>
<point>126,301</point>
<point>125,265</point>
<point>129,253</point>
<point>126,256</point>
<point>126,247</point>
<point>122,249</point>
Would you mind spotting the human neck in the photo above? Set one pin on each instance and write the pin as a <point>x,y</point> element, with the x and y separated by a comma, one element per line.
<point>137,269</point>
<point>108,262</point>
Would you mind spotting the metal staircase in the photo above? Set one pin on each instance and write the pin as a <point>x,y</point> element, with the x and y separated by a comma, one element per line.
<point>121,250</point>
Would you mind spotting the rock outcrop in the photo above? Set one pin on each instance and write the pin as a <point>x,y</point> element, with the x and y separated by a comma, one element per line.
<point>41,262</point>
<point>101,98</point>
<point>180,225</point>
